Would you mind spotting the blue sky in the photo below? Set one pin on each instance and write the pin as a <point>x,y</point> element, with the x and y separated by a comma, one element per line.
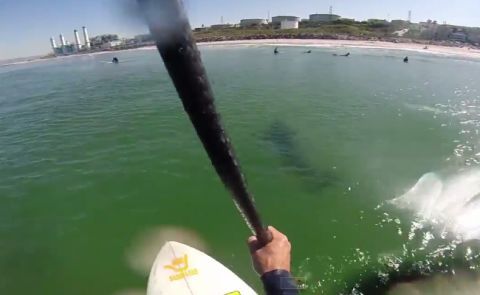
<point>26,25</point>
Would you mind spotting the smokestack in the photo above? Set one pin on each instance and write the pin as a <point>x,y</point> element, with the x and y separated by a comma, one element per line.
<point>53,43</point>
<point>77,40</point>
<point>85,36</point>
<point>62,40</point>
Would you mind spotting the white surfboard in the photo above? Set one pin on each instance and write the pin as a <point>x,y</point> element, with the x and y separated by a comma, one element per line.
<point>183,270</point>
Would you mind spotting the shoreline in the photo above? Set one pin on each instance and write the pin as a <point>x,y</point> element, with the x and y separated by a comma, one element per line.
<point>326,43</point>
<point>439,50</point>
<point>40,59</point>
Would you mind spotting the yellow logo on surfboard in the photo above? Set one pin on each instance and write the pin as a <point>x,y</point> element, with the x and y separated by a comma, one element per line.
<point>180,267</point>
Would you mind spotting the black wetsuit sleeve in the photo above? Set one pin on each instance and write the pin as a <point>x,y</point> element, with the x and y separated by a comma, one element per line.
<point>279,282</point>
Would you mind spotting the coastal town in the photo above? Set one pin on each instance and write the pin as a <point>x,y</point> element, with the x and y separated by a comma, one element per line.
<point>317,26</point>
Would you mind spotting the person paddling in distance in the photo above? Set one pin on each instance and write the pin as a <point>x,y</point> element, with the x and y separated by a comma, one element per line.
<point>272,263</point>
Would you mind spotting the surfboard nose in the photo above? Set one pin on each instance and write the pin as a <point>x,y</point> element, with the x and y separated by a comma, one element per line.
<point>181,269</point>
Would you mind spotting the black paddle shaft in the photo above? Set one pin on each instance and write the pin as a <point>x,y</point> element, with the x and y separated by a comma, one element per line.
<point>183,62</point>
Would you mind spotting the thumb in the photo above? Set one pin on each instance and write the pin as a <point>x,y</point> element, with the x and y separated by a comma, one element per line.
<point>253,244</point>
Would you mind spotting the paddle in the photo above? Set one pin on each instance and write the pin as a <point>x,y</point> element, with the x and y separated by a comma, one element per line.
<point>171,30</point>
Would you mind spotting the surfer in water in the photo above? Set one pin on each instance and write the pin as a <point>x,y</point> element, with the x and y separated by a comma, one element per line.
<point>272,263</point>
<point>405,60</point>
<point>115,60</point>
<point>308,51</point>
<point>345,55</point>
<point>276,51</point>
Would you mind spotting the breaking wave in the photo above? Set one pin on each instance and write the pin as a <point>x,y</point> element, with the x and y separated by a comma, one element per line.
<point>451,203</point>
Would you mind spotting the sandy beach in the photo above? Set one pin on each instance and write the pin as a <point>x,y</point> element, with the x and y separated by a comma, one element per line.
<point>432,49</point>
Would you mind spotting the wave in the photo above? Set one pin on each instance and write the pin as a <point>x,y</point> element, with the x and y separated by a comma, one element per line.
<point>451,202</point>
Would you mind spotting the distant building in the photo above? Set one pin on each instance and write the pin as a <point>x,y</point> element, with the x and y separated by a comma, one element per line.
<point>323,18</point>
<point>99,41</point>
<point>70,49</point>
<point>66,49</point>
<point>429,24</point>
<point>289,24</point>
<point>474,36</point>
<point>400,23</point>
<point>58,51</point>
<point>440,32</point>
<point>458,36</point>
<point>414,26</point>
<point>143,38</point>
<point>111,44</point>
<point>131,42</point>
<point>252,22</point>
<point>374,21</point>
<point>277,20</point>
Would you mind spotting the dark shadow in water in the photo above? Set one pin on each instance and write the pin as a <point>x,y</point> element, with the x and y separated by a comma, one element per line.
<point>381,279</point>
<point>282,141</point>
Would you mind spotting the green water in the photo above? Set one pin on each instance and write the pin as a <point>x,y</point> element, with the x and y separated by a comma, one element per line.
<point>92,154</point>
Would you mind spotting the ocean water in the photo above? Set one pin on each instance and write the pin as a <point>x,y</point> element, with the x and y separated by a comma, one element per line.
<point>368,164</point>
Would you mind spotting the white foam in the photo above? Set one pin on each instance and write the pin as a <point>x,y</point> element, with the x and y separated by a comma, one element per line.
<point>450,202</point>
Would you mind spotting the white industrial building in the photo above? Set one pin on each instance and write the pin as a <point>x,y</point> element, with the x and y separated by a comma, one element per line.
<point>112,44</point>
<point>323,18</point>
<point>253,22</point>
<point>277,20</point>
<point>289,24</point>
<point>66,47</point>
<point>285,22</point>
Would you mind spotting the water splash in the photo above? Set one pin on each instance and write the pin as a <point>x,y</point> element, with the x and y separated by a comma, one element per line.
<point>451,203</point>
<point>438,243</point>
<point>441,241</point>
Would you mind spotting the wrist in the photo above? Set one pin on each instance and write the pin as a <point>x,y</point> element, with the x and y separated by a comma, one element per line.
<point>279,281</point>
<point>274,269</point>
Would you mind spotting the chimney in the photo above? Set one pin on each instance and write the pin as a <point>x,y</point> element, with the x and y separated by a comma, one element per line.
<point>62,40</point>
<point>85,36</point>
<point>77,40</point>
<point>53,43</point>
